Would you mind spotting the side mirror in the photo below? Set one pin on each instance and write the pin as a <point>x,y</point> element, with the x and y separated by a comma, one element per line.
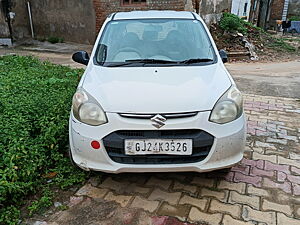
<point>223,55</point>
<point>81,57</point>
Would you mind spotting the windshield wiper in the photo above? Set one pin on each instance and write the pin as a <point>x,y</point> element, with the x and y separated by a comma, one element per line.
<point>197,60</point>
<point>119,64</point>
<point>151,61</point>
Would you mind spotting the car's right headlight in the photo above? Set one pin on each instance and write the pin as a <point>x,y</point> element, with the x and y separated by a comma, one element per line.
<point>87,110</point>
<point>228,108</point>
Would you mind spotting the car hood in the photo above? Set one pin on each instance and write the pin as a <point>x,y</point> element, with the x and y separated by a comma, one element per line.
<point>156,89</point>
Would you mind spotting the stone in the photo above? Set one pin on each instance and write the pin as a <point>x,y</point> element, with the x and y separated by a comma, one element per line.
<point>221,195</point>
<point>282,160</point>
<point>286,186</point>
<point>171,198</point>
<point>123,200</point>
<point>254,180</point>
<point>145,204</point>
<point>199,203</point>
<point>252,201</point>
<point>284,220</point>
<point>197,216</point>
<point>164,184</point>
<point>179,211</point>
<point>203,182</point>
<point>258,172</point>
<point>257,191</point>
<point>91,191</point>
<point>74,200</point>
<point>272,166</point>
<point>257,156</point>
<point>267,205</point>
<point>185,187</point>
<point>277,141</point>
<point>250,214</point>
<point>239,187</point>
<point>233,210</point>
<point>228,220</point>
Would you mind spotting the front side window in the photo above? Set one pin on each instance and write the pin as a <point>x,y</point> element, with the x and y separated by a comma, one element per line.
<point>173,41</point>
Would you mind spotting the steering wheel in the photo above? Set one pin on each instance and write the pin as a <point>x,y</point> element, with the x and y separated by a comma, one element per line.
<point>128,49</point>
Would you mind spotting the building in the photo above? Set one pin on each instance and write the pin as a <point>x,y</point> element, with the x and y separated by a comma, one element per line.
<point>80,20</point>
<point>241,8</point>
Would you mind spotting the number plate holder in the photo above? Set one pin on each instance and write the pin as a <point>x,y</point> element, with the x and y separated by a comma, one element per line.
<point>158,146</point>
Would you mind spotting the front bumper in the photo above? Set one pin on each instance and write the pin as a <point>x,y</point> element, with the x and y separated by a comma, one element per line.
<point>227,148</point>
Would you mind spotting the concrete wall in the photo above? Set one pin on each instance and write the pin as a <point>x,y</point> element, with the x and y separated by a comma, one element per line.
<point>74,20</point>
<point>211,10</point>
<point>294,8</point>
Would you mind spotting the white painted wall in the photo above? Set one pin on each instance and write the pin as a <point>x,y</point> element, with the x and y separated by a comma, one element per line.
<point>238,8</point>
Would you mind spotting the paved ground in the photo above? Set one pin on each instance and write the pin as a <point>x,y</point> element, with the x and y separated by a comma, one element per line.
<point>263,189</point>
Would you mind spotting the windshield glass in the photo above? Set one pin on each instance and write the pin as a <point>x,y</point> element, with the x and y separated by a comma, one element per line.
<point>158,41</point>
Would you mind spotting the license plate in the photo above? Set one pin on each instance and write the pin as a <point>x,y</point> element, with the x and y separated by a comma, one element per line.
<point>158,146</point>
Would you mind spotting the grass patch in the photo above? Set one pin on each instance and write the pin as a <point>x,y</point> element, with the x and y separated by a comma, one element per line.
<point>34,109</point>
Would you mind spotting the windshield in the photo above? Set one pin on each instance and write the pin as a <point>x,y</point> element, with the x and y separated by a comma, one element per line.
<point>154,41</point>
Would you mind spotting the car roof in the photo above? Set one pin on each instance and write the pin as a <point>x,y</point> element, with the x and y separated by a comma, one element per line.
<point>153,14</point>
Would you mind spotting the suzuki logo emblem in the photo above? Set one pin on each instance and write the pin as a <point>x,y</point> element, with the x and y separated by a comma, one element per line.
<point>158,121</point>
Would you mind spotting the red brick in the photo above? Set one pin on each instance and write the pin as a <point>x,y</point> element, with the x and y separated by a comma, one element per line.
<point>272,166</point>
<point>294,179</point>
<point>254,163</point>
<point>242,169</point>
<point>286,186</point>
<point>255,181</point>
<point>258,172</point>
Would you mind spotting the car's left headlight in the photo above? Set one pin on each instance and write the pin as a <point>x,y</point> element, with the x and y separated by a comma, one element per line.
<point>228,108</point>
<point>87,110</point>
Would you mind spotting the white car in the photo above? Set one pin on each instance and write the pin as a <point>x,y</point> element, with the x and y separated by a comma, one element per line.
<point>156,97</point>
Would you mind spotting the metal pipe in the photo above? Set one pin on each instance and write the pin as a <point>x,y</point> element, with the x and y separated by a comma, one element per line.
<point>30,19</point>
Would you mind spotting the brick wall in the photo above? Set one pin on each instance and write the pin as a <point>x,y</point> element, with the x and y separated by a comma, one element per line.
<point>105,7</point>
<point>276,10</point>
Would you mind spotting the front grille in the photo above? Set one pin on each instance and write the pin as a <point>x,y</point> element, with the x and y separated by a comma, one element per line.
<point>165,115</point>
<point>114,145</point>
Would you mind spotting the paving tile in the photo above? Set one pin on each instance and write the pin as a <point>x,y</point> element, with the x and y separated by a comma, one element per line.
<point>257,156</point>
<point>282,160</point>
<point>252,201</point>
<point>185,187</point>
<point>232,209</point>
<point>284,220</point>
<point>239,187</point>
<point>171,198</point>
<point>267,205</point>
<point>206,182</point>
<point>254,180</point>
<point>145,204</point>
<point>196,215</point>
<point>91,191</point>
<point>286,186</point>
<point>199,203</point>
<point>180,211</point>
<point>228,220</point>
<point>221,195</point>
<point>250,214</point>
<point>164,184</point>
<point>257,191</point>
<point>123,200</point>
